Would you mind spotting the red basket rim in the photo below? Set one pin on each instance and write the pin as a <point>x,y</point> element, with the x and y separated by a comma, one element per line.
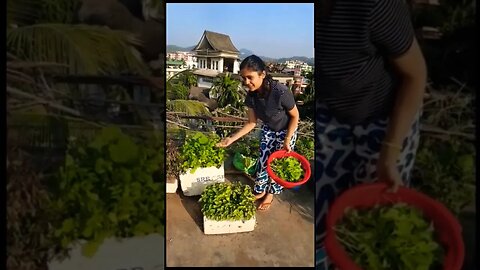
<point>283,153</point>
<point>454,256</point>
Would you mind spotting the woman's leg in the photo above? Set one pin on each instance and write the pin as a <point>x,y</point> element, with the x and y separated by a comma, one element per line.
<point>272,186</point>
<point>267,146</point>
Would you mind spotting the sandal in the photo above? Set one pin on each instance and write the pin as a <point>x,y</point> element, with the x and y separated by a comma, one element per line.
<point>264,206</point>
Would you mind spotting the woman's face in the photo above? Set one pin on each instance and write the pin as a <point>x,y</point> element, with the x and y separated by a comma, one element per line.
<point>252,79</point>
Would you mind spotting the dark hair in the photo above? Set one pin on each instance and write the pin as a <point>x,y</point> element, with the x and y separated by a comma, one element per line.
<point>255,63</point>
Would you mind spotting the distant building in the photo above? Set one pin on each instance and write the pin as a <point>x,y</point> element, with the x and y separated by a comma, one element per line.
<point>306,67</point>
<point>174,67</point>
<point>216,52</point>
<point>205,77</point>
<point>293,79</point>
<point>285,79</point>
<point>292,71</point>
<point>189,58</point>
<point>296,64</point>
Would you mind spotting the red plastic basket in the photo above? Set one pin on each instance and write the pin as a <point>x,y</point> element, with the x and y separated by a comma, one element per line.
<point>448,229</point>
<point>284,153</point>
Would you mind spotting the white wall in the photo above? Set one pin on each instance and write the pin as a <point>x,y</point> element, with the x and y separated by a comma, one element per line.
<point>236,67</point>
<point>173,71</point>
<point>203,81</point>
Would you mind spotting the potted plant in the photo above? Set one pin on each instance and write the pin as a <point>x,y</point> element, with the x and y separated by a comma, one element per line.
<point>201,163</point>
<point>107,200</point>
<point>228,208</point>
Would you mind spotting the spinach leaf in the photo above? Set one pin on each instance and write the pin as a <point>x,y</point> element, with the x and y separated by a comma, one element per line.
<point>395,237</point>
<point>107,189</point>
<point>199,151</point>
<point>288,169</point>
<point>225,201</point>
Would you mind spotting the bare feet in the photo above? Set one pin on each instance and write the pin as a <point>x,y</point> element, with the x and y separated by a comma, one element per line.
<point>259,195</point>
<point>266,203</point>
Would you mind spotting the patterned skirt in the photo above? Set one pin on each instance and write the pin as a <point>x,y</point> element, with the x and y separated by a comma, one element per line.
<point>270,141</point>
<point>346,155</point>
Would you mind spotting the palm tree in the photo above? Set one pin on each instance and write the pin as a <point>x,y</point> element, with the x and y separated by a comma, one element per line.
<point>178,90</point>
<point>42,31</point>
<point>228,91</point>
<point>43,41</point>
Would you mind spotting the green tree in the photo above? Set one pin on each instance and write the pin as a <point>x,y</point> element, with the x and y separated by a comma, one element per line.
<point>228,91</point>
<point>178,90</point>
<point>42,31</point>
<point>178,86</point>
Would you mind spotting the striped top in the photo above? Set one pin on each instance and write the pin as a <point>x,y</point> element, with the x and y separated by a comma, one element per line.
<point>273,109</point>
<point>352,46</point>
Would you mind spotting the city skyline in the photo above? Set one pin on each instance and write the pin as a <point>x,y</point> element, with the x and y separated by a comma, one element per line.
<point>288,25</point>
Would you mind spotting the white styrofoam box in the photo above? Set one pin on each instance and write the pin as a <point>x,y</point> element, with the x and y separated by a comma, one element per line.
<point>221,227</point>
<point>136,253</point>
<point>172,187</point>
<point>193,184</point>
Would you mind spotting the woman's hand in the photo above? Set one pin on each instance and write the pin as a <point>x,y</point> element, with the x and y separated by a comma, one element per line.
<point>225,142</point>
<point>388,172</point>
<point>387,169</point>
<point>286,145</point>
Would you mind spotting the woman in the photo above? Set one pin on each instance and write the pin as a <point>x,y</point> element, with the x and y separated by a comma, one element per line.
<point>274,104</point>
<point>371,77</point>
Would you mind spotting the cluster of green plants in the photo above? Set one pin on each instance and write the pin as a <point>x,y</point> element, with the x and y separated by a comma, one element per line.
<point>305,146</point>
<point>394,237</point>
<point>446,171</point>
<point>200,151</point>
<point>228,92</point>
<point>228,201</point>
<point>178,87</point>
<point>288,169</point>
<point>247,146</point>
<point>107,189</point>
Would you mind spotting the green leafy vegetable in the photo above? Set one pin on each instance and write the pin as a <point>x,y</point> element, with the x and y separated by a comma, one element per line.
<point>107,189</point>
<point>199,151</point>
<point>395,237</point>
<point>224,201</point>
<point>249,147</point>
<point>288,169</point>
<point>305,146</point>
<point>445,170</point>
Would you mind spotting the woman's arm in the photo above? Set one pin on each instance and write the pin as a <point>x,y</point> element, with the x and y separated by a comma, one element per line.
<point>252,122</point>
<point>413,74</point>
<point>292,126</point>
<point>409,98</point>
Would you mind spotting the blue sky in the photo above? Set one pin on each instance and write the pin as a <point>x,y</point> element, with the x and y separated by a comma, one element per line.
<point>272,30</point>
